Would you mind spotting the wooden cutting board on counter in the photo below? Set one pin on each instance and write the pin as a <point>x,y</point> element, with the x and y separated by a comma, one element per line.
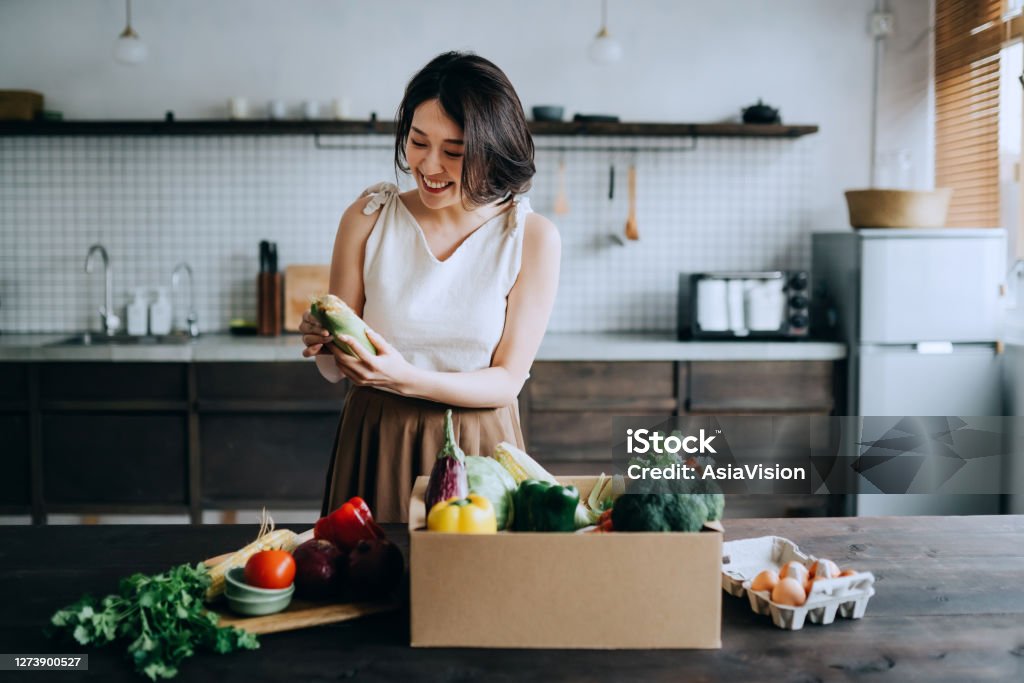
<point>299,613</point>
<point>301,283</point>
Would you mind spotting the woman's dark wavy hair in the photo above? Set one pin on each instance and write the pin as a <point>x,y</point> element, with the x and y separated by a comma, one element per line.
<point>477,95</point>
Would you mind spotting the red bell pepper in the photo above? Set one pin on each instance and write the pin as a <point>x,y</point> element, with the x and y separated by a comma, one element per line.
<point>349,524</point>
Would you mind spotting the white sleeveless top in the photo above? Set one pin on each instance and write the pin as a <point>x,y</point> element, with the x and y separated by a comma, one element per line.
<point>440,315</point>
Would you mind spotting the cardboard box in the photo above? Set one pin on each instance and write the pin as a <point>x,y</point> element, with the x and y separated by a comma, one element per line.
<point>559,590</point>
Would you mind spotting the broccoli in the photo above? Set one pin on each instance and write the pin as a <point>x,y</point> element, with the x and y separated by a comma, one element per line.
<point>685,513</point>
<point>715,504</point>
<point>654,512</point>
<point>639,512</point>
<point>713,498</point>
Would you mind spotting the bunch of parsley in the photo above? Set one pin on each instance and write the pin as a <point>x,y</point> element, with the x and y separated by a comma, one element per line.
<point>161,617</point>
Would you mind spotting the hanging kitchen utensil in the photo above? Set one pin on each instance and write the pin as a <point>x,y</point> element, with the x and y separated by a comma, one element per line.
<point>561,200</point>
<point>614,234</point>
<point>632,231</point>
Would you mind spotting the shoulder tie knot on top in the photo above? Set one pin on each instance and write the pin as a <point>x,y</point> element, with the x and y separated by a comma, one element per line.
<point>381,193</point>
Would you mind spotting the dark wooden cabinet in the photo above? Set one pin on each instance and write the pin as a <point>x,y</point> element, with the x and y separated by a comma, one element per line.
<point>265,433</point>
<point>98,437</point>
<point>570,405</point>
<point>115,458</point>
<point>15,482</point>
<point>135,384</point>
<point>15,437</point>
<point>113,436</point>
<point>750,387</point>
<point>255,459</point>
<point>568,408</point>
<point>289,383</point>
<point>14,383</point>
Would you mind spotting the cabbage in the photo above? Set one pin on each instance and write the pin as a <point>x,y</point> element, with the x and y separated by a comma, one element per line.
<point>488,478</point>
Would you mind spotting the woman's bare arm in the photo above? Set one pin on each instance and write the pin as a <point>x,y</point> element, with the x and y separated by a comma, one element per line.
<point>346,278</point>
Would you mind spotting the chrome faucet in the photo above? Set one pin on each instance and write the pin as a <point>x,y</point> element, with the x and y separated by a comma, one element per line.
<point>192,318</point>
<point>110,321</point>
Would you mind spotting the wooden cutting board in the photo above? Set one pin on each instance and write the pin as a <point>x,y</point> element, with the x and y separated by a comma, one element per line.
<point>298,614</point>
<point>301,283</point>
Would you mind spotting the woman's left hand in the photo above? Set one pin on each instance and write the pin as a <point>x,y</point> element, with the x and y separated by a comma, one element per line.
<point>387,370</point>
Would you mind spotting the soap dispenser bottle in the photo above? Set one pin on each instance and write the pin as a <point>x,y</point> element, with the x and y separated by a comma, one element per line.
<point>160,313</point>
<point>138,309</point>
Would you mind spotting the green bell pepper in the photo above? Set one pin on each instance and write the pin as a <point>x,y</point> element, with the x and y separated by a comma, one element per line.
<point>542,506</point>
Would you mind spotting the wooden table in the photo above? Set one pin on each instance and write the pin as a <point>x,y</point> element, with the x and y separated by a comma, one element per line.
<point>949,607</point>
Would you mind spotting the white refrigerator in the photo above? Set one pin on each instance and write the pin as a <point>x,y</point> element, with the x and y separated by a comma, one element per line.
<point>921,311</point>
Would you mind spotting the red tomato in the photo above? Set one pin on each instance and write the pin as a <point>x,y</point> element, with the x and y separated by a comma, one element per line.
<point>270,569</point>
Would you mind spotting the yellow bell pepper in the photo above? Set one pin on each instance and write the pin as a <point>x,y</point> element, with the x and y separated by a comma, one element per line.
<point>471,515</point>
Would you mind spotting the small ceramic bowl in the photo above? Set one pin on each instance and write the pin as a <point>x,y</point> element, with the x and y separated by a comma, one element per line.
<point>255,607</point>
<point>235,586</point>
<point>548,113</point>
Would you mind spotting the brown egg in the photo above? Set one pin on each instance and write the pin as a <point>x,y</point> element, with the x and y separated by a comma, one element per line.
<point>794,570</point>
<point>809,586</point>
<point>765,581</point>
<point>824,569</point>
<point>789,592</point>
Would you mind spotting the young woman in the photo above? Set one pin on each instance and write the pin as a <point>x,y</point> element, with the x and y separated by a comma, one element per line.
<point>456,280</point>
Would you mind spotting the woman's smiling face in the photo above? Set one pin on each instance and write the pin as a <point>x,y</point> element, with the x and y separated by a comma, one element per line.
<point>434,152</point>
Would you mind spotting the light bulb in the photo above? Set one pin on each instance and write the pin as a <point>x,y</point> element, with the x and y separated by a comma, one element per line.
<point>604,49</point>
<point>130,49</point>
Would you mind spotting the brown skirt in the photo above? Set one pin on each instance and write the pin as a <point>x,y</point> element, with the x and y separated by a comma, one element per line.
<point>385,441</point>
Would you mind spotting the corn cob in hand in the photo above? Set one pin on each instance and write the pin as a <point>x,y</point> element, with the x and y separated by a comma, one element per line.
<point>336,316</point>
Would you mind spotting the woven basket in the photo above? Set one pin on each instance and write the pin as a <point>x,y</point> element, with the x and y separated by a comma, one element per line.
<point>898,208</point>
<point>23,105</point>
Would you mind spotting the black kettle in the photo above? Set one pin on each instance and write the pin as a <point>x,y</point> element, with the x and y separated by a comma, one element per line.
<point>761,113</point>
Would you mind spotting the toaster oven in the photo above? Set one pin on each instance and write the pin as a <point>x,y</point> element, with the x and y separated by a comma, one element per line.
<point>744,305</point>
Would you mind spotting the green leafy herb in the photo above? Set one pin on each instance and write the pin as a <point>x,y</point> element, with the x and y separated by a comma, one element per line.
<point>160,617</point>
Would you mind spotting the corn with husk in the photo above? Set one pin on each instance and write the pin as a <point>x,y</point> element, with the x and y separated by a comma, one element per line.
<point>338,318</point>
<point>520,465</point>
<point>267,539</point>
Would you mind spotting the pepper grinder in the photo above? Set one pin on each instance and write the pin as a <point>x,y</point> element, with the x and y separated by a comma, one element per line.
<point>270,291</point>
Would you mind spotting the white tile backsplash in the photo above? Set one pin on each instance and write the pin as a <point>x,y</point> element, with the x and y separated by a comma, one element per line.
<point>152,201</point>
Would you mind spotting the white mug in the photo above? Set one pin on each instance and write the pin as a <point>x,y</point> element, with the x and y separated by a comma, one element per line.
<point>712,305</point>
<point>277,109</point>
<point>766,304</point>
<point>238,108</point>
<point>311,109</point>
<point>342,108</point>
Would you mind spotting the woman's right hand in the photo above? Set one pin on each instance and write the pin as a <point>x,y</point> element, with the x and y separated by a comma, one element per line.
<point>314,336</point>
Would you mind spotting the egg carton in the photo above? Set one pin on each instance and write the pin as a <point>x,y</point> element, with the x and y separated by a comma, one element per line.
<point>846,596</point>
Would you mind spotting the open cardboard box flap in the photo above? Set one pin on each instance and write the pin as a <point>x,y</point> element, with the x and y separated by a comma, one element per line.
<point>561,590</point>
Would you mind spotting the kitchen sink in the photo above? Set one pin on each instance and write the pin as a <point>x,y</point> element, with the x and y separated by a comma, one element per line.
<point>94,339</point>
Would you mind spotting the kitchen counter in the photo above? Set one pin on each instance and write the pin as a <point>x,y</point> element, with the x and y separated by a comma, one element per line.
<point>948,607</point>
<point>598,346</point>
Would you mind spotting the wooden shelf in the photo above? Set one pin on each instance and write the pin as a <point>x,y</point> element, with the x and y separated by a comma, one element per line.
<point>258,127</point>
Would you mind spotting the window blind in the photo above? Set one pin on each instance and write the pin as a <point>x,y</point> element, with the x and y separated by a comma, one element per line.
<point>968,38</point>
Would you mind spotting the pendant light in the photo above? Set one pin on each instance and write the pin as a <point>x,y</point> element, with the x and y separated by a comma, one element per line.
<point>129,48</point>
<point>604,49</point>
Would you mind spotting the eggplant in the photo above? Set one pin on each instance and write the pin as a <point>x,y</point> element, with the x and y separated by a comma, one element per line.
<point>448,476</point>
